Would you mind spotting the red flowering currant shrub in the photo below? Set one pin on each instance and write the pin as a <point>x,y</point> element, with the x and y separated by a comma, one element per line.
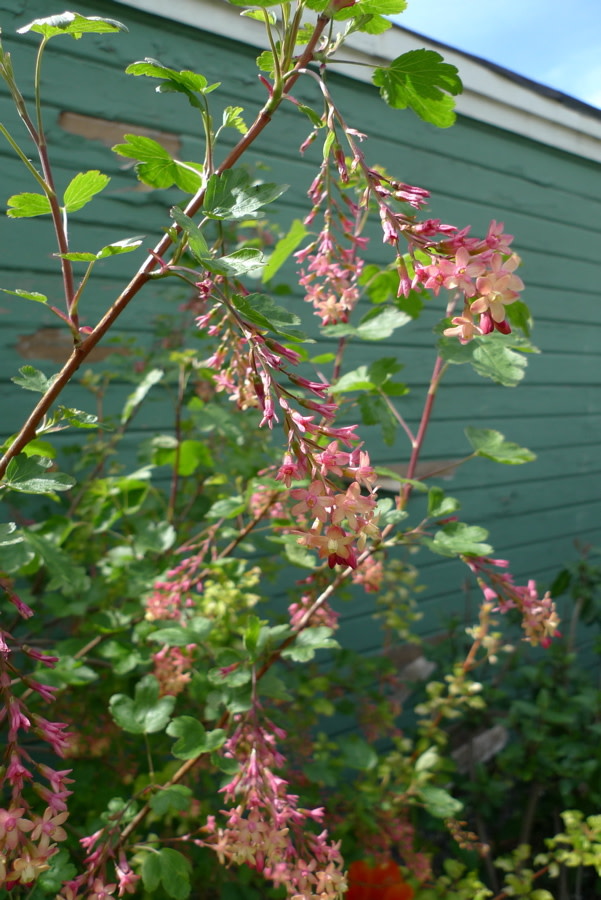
<point>164,723</point>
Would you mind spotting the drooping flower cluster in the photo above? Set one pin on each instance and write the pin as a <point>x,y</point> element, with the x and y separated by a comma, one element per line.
<point>442,256</point>
<point>29,831</point>
<point>265,828</point>
<point>539,616</point>
<point>93,883</point>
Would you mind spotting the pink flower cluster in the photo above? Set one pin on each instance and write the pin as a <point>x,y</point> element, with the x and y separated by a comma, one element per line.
<point>265,828</point>
<point>92,884</point>
<point>539,616</point>
<point>337,523</point>
<point>482,271</point>
<point>28,837</point>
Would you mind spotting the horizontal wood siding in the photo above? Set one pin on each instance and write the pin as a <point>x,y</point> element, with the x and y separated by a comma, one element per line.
<point>550,201</point>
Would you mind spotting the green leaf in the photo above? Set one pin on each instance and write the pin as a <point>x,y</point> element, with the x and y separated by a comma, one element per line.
<point>261,3</point>
<point>175,873</point>
<point>80,419</point>
<point>196,241</point>
<point>494,360</point>
<point>376,411</point>
<point>492,444</point>
<point>151,870</point>
<point>172,799</point>
<point>227,508</point>
<point>181,635</point>
<point>192,737</point>
<point>261,310</point>
<point>373,7</point>
<point>183,82</point>
<point>439,802</point>
<point>421,80</point>
<point>459,539</point>
<point>284,248</point>
<point>157,167</point>
<point>232,196</point>
<point>147,712</point>
<point>259,16</point>
<point>136,397</point>
<point>491,356</point>
<point>9,534</point>
<point>427,760</point>
<point>266,62</point>
<point>233,119</point>
<point>65,574</point>
<point>73,24</point>
<point>82,188</point>
<point>23,206</point>
<point>117,247</point>
<point>308,641</point>
<point>240,262</point>
<point>357,380</point>
<point>29,475</point>
<point>439,504</point>
<point>375,326</point>
<point>357,753</point>
<point>32,379</point>
<point>27,295</point>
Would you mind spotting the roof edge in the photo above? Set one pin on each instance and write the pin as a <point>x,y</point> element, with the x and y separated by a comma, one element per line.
<point>492,94</point>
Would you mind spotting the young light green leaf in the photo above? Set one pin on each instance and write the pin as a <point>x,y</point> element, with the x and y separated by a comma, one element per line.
<point>459,539</point>
<point>233,119</point>
<point>27,295</point>
<point>421,80</point>
<point>283,249</point>
<point>184,82</point>
<point>192,737</point>
<point>82,188</point>
<point>439,802</point>
<point>22,206</point>
<point>492,444</point>
<point>376,325</point>
<point>32,379</point>
<point>73,24</point>
<point>266,62</point>
<point>258,15</point>
<point>308,641</point>
<point>29,475</point>
<point>439,504</point>
<point>117,247</point>
<point>147,712</point>
<point>357,380</point>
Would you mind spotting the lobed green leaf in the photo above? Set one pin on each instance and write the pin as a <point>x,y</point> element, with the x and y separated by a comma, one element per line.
<point>73,24</point>
<point>420,79</point>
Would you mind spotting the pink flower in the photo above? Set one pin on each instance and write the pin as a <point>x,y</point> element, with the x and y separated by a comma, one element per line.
<point>499,288</point>
<point>463,327</point>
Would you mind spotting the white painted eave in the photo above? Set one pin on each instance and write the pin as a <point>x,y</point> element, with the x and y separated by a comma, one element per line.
<point>489,96</point>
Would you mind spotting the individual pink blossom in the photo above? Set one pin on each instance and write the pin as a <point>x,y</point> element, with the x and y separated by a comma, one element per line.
<point>498,288</point>
<point>463,327</point>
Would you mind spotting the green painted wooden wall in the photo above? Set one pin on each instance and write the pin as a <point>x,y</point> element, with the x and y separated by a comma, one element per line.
<point>549,199</point>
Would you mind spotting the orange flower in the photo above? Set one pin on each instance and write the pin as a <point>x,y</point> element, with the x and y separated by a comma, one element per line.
<point>382,882</point>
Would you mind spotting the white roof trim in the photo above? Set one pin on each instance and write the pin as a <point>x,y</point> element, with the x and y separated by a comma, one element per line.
<point>488,96</point>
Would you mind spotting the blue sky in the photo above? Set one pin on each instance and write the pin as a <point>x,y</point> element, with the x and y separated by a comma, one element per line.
<point>554,42</point>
